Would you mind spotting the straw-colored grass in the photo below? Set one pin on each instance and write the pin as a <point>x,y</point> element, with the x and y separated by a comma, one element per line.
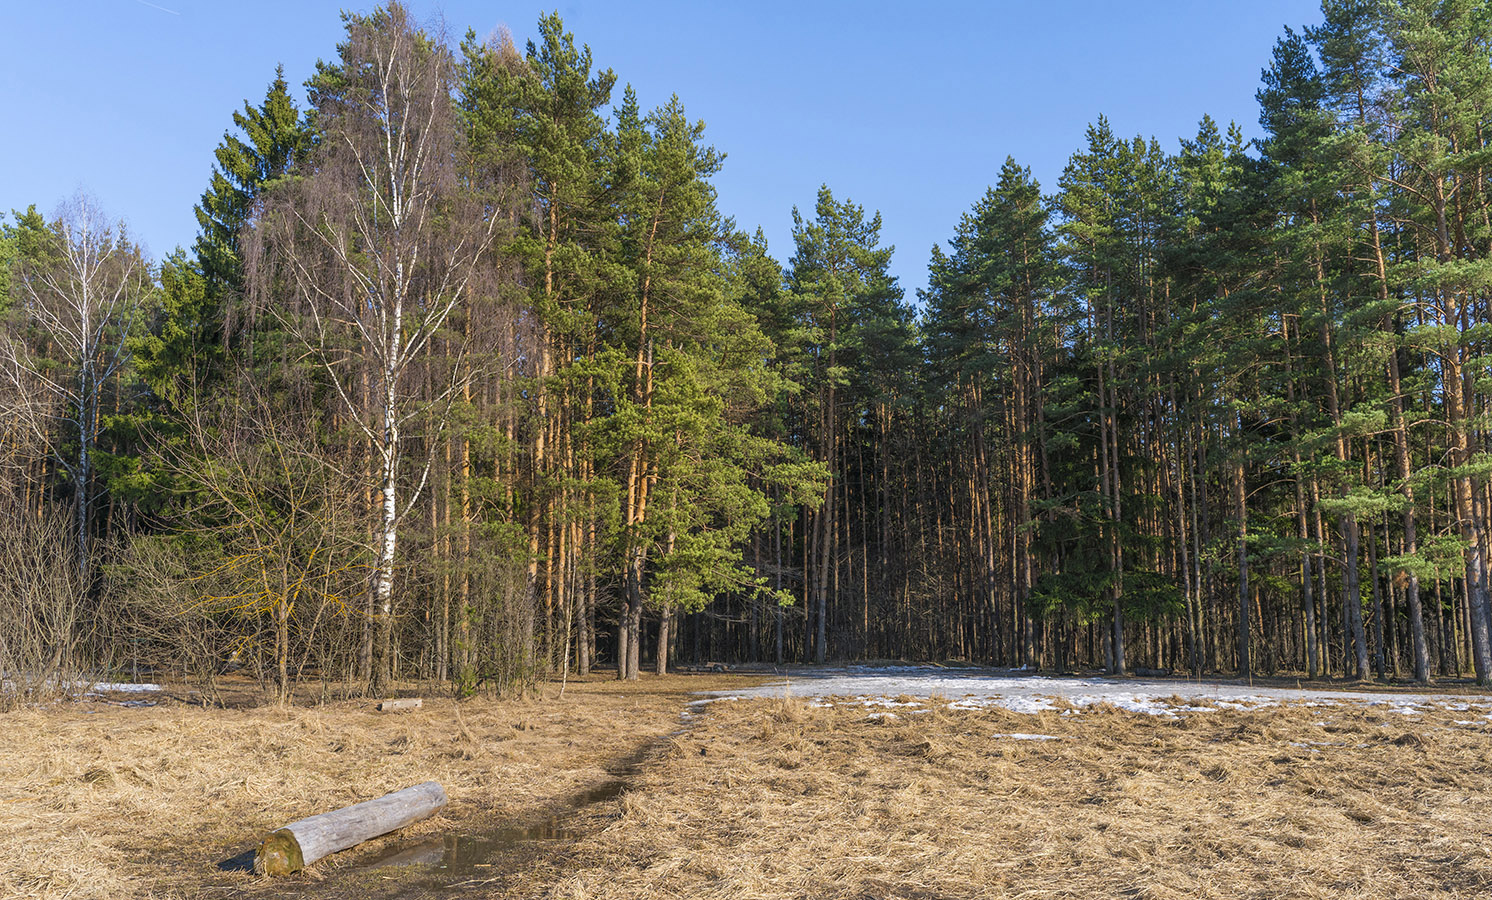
<point>784,799</point>
<point>767,799</point>
<point>100,801</point>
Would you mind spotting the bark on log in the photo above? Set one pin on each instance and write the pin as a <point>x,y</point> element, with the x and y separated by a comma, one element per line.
<point>302,843</point>
<point>397,705</point>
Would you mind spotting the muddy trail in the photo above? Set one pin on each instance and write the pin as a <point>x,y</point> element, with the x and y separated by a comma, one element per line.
<point>469,857</point>
<point>469,854</point>
<point>465,858</point>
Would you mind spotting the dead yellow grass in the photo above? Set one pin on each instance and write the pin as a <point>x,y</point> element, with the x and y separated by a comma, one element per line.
<point>99,801</point>
<point>765,799</point>
<point>778,799</point>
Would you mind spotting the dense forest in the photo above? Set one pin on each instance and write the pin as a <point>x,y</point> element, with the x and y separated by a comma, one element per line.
<point>468,379</point>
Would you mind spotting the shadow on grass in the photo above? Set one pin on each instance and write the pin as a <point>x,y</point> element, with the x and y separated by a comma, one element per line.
<point>243,862</point>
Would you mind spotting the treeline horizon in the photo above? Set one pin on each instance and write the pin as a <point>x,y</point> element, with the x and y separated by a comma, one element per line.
<point>467,379</point>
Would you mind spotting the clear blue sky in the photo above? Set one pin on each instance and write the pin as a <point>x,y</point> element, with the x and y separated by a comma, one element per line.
<point>905,108</point>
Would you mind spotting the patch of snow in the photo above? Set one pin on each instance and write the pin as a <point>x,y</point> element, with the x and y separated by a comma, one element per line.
<point>1017,736</point>
<point>118,688</point>
<point>1246,703</point>
<point>715,699</point>
<point>1014,704</point>
<point>1008,689</point>
<point>1136,703</point>
<point>91,688</point>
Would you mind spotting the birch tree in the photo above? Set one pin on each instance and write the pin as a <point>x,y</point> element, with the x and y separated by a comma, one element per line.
<point>78,291</point>
<point>368,255</point>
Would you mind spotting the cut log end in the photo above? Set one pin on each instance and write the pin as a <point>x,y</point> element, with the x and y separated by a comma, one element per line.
<point>280,854</point>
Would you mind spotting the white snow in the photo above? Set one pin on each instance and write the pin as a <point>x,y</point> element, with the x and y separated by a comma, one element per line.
<point>1015,704</point>
<point>967,689</point>
<point>119,688</point>
<point>91,687</point>
<point>886,701</point>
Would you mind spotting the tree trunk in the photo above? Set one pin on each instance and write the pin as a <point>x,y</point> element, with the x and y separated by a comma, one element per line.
<point>307,840</point>
<point>1240,509</point>
<point>665,619</point>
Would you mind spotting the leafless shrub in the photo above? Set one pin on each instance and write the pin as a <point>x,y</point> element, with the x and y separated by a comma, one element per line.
<point>41,598</point>
<point>264,564</point>
<point>154,606</point>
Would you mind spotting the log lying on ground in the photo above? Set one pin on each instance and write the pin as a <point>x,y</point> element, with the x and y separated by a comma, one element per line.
<point>301,843</point>
<point>396,705</point>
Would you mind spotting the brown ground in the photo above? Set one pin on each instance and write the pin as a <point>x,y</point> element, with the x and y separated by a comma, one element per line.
<point>765,799</point>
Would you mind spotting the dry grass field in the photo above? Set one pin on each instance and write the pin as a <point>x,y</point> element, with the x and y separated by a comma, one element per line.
<point>763,799</point>
<point>783,799</point>
<point>103,801</point>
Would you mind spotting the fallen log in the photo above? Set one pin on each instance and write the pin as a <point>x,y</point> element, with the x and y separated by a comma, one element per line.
<point>397,705</point>
<point>303,842</point>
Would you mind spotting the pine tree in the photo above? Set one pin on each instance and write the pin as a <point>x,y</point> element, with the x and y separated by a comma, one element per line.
<point>1439,54</point>
<point>992,330</point>
<point>543,111</point>
<point>275,138</point>
<point>838,276</point>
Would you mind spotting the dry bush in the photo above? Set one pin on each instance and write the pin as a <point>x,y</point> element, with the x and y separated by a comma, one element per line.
<point>154,605</point>
<point>41,603</point>
<point>263,566</point>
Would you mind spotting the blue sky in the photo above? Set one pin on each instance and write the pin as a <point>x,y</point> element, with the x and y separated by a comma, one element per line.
<point>905,108</point>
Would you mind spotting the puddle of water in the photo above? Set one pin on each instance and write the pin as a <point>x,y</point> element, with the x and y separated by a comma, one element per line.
<point>454,860</point>
<point>469,854</point>
<point>608,791</point>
